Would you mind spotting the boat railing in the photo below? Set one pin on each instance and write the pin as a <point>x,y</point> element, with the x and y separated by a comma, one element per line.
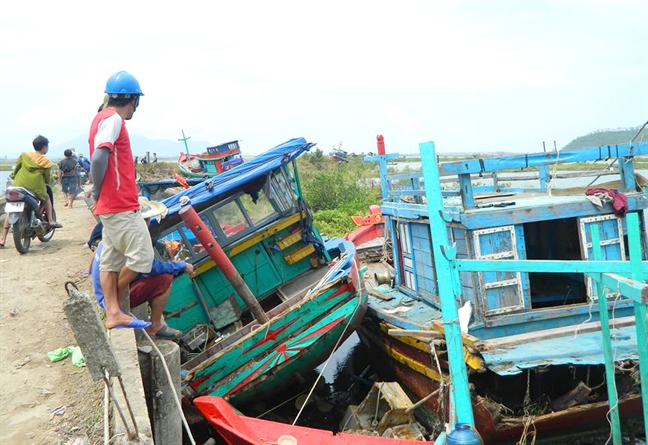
<point>543,173</point>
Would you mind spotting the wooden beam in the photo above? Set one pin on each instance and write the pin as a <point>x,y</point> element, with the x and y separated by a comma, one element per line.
<point>538,159</point>
<point>530,337</point>
<point>416,333</point>
<point>551,266</point>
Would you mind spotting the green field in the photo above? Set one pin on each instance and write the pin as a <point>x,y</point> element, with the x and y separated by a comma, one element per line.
<point>6,165</point>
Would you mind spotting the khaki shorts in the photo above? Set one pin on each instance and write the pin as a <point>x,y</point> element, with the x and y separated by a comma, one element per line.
<point>126,242</point>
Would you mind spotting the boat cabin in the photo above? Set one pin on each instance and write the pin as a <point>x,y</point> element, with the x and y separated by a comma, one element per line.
<point>256,214</point>
<point>517,208</point>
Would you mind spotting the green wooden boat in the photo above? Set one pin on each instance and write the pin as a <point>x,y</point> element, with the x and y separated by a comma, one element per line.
<point>308,287</point>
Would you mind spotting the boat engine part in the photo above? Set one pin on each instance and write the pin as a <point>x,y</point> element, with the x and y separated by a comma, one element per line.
<point>384,276</point>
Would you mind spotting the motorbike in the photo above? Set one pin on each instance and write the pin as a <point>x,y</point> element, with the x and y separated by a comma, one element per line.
<point>27,217</point>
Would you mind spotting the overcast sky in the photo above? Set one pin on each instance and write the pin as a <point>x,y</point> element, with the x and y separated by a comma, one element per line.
<point>470,76</point>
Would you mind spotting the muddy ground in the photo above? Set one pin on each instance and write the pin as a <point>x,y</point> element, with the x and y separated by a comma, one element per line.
<point>32,322</point>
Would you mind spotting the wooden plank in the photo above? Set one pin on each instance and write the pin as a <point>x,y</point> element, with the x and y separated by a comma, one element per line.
<point>466,339</point>
<point>375,293</point>
<point>538,159</point>
<point>560,207</point>
<point>415,333</point>
<point>529,337</point>
<point>553,266</point>
<point>635,290</point>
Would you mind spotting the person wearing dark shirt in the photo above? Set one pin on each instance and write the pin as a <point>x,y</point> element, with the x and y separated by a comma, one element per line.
<point>68,176</point>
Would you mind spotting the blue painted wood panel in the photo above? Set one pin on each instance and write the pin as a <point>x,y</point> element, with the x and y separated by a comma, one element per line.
<point>408,273</point>
<point>610,229</point>
<point>423,261</point>
<point>501,291</point>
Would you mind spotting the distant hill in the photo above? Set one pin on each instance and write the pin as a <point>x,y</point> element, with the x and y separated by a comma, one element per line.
<point>163,147</point>
<point>606,137</point>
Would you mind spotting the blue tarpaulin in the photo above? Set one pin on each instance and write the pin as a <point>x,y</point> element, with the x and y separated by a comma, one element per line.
<point>580,349</point>
<point>241,174</point>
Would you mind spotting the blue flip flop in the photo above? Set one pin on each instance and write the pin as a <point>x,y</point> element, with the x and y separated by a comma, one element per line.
<point>167,333</point>
<point>136,323</point>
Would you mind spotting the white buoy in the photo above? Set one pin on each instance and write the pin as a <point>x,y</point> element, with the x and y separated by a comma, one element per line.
<point>287,440</point>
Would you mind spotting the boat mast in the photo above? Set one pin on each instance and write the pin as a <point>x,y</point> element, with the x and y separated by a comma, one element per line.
<point>185,139</point>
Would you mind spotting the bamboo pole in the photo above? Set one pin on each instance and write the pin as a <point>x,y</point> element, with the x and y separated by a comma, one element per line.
<point>613,397</point>
<point>447,276</point>
<point>634,241</point>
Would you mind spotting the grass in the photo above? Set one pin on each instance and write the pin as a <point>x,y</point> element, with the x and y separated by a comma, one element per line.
<point>158,170</point>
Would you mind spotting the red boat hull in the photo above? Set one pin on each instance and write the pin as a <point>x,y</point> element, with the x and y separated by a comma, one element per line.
<point>237,429</point>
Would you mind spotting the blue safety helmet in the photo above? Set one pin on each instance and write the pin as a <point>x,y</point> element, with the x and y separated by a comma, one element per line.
<point>123,83</point>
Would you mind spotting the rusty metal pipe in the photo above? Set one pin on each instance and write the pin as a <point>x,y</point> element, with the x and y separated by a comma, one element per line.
<point>204,235</point>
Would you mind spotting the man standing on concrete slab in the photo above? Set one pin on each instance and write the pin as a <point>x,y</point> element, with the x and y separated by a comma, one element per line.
<point>154,287</point>
<point>127,249</point>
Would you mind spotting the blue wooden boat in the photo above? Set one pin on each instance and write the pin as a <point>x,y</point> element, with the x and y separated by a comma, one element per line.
<point>306,292</point>
<point>532,343</point>
<point>218,159</point>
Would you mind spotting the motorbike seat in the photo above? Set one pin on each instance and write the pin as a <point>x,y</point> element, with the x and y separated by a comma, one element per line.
<point>22,190</point>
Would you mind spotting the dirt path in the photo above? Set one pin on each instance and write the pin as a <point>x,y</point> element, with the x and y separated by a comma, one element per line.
<point>32,322</point>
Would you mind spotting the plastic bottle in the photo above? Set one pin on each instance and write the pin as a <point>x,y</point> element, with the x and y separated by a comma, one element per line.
<point>464,434</point>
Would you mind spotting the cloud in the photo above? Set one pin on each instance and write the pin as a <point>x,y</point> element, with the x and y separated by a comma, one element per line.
<point>398,116</point>
<point>330,70</point>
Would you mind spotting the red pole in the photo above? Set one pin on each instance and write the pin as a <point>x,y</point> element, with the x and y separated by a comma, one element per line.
<point>204,235</point>
<point>381,144</point>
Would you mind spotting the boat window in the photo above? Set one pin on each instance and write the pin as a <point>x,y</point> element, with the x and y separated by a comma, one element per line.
<point>231,218</point>
<point>280,191</point>
<point>172,247</point>
<point>181,244</point>
<point>259,210</point>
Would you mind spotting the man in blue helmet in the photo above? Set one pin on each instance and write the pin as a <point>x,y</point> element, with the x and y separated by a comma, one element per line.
<point>127,250</point>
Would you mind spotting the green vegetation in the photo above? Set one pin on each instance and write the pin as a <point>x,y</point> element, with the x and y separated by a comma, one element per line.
<point>155,171</point>
<point>606,137</point>
<point>336,191</point>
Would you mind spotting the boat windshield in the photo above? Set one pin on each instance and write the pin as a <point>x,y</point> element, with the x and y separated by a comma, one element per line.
<point>232,219</point>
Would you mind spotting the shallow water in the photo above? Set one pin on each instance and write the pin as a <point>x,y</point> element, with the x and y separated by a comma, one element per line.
<point>4,175</point>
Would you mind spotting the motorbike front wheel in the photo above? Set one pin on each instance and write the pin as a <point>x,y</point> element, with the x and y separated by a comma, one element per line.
<point>21,236</point>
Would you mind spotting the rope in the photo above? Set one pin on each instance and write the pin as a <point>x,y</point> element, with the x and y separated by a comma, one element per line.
<point>528,418</point>
<point>328,359</point>
<point>555,172</point>
<point>374,423</point>
<point>614,353</point>
<point>106,415</point>
<point>589,317</point>
<point>528,422</point>
<point>280,405</point>
<point>639,132</point>
<point>442,383</point>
